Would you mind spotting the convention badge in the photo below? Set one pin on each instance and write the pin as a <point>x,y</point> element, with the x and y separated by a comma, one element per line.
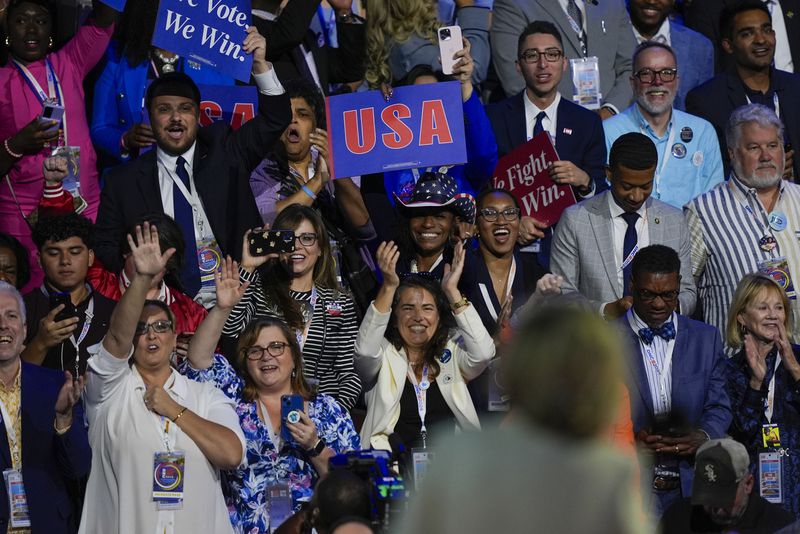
<point>536,246</point>
<point>770,476</point>
<point>778,221</point>
<point>279,504</point>
<point>697,158</point>
<point>686,134</point>
<point>771,436</point>
<point>586,82</point>
<point>209,259</point>
<point>424,385</point>
<point>168,473</point>
<point>767,243</point>
<point>446,355</point>
<point>778,270</point>
<point>72,181</point>
<point>498,400</point>
<point>679,150</point>
<point>420,463</point>
<point>17,500</point>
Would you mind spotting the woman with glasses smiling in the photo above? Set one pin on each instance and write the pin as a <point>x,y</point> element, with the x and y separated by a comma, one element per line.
<point>301,288</point>
<point>270,365</point>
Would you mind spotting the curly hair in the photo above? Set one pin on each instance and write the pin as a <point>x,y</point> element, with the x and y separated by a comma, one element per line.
<point>62,227</point>
<point>447,322</point>
<point>391,21</point>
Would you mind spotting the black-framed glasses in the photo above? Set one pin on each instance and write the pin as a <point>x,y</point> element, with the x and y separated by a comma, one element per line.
<point>307,239</point>
<point>491,214</point>
<point>649,75</point>
<point>159,327</point>
<point>650,296</point>
<point>531,56</point>
<point>274,349</point>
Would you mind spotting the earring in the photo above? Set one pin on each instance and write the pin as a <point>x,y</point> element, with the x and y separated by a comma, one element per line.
<point>50,42</point>
<point>294,374</point>
<point>8,43</point>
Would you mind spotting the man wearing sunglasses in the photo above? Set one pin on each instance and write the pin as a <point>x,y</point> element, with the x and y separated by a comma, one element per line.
<point>689,161</point>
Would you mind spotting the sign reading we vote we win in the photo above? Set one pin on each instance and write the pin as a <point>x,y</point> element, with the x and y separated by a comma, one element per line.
<point>524,173</point>
<point>210,32</point>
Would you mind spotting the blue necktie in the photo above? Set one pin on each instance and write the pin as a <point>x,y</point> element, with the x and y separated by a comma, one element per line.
<point>190,273</point>
<point>538,127</point>
<point>631,238</point>
<point>666,332</point>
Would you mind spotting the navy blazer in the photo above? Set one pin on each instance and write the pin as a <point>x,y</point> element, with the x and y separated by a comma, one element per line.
<point>695,56</point>
<point>716,99</point>
<point>698,384</point>
<point>47,459</point>
<point>223,161</point>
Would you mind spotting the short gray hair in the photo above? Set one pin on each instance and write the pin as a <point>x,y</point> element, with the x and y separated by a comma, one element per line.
<point>8,289</point>
<point>761,115</point>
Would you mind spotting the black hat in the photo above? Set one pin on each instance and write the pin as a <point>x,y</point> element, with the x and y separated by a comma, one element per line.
<point>438,190</point>
<point>173,84</point>
<point>719,466</point>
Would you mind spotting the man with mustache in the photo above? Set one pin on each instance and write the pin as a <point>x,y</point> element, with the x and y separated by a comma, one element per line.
<point>749,223</point>
<point>198,176</point>
<point>689,161</point>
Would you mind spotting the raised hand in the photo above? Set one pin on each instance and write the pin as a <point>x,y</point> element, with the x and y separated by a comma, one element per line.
<point>756,362</point>
<point>787,353</point>
<point>139,136</point>
<point>387,256</point>
<point>256,44</point>
<point>463,68</point>
<point>529,230</point>
<point>452,274</point>
<point>249,262</point>
<point>229,289</point>
<point>549,284</point>
<point>146,251</point>
<point>54,170</point>
<point>304,432</point>
<point>67,398</point>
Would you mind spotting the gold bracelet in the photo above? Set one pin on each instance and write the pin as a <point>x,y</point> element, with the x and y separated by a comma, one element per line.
<point>460,304</point>
<point>179,414</point>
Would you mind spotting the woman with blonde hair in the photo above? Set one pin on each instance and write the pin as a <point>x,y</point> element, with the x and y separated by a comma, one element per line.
<point>764,376</point>
<point>401,34</point>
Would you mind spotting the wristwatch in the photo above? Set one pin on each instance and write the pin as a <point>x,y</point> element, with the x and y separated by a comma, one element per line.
<point>317,449</point>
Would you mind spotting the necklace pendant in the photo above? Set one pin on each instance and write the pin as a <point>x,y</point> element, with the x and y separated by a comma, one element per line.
<point>167,68</point>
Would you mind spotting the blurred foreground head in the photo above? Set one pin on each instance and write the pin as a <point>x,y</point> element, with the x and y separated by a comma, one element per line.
<point>564,372</point>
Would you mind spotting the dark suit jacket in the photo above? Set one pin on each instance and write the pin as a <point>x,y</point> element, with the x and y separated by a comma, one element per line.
<point>716,99</point>
<point>695,55</point>
<point>698,384</point>
<point>47,459</point>
<point>223,161</point>
<point>334,65</point>
<point>703,16</point>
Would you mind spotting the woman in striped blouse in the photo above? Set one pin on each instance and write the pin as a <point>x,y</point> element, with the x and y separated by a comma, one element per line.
<point>301,289</point>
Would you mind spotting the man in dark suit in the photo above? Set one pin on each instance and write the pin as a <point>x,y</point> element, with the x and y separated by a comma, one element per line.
<point>749,40</point>
<point>43,441</point>
<point>298,51</point>
<point>676,378</point>
<point>704,17</point>
<point>694,52</point>
<point>198,176</point>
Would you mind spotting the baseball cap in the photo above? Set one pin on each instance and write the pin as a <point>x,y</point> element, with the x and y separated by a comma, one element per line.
<point>719,466</point>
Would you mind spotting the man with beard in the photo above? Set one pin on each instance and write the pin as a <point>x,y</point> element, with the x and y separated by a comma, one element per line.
<point>689,161</point>
<point>749,223</point>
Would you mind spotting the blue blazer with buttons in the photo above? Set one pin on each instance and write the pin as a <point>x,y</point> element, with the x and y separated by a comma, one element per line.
<point>119,97</point>
<point>48,459</point>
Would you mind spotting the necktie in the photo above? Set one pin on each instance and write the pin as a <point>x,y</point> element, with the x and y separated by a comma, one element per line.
<point>190,273</point>
<point>574,13</point>
<point>666,332</point>
<point>538,127</point>
<point>631,238</point>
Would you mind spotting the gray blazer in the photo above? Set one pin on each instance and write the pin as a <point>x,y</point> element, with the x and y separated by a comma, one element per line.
<point>583,249</point>
<point>609,37</point>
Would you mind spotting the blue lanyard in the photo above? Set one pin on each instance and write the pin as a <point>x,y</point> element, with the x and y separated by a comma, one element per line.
<point>52,82</point>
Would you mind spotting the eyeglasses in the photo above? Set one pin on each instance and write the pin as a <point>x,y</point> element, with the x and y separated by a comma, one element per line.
<point>491,214</point>
<point>307,239</point>
<point>159,327</point>
<point>649,75</point>
<point>666,296</point>
<point>274,349</point>
<point>531,57</point>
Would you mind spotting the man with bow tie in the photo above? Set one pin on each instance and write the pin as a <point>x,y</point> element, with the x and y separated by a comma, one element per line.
<point>677,378</point>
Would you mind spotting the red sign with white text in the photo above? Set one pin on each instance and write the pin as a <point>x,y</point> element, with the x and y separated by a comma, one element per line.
<point>523,172</point>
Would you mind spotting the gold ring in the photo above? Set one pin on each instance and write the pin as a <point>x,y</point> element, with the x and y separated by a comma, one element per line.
<point>676,449</point>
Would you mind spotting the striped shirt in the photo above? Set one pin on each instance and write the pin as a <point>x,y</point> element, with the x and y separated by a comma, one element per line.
<point>657,360</point>
<point>330,344</point>
<point>725,227</point>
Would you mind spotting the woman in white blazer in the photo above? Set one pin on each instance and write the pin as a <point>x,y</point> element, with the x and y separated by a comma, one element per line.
<point>418,345</point>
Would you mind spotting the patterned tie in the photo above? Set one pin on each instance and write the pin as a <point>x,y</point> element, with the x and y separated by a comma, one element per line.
<point>574,13</point>
<point>538,127</point>
<point>190,273</point>
<point>631,238</point>
<point>666,332</point>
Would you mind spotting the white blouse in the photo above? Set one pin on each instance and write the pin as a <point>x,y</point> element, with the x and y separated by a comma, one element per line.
<point>124,436</point>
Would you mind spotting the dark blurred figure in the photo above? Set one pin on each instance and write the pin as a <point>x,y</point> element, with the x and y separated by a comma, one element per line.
<point>340,498</point>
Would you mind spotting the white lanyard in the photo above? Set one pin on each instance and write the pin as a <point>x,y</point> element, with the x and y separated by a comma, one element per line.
<point>667,154</point>
<point>302,336</point>
<point>54,92</point>
<point>663,374</point>
<point>770,406</point>
<point>487,299</point>
<point>420,391</point>
<point>87,323</point>
<point>775,102</point>
<point>191,197</point>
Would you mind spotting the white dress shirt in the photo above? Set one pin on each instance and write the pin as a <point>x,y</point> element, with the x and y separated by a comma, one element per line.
<point>657,360</point>
<point>549,123</point>
<point>619,228</point>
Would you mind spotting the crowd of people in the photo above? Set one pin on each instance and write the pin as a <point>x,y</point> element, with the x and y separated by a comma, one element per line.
<point>196,319</point>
